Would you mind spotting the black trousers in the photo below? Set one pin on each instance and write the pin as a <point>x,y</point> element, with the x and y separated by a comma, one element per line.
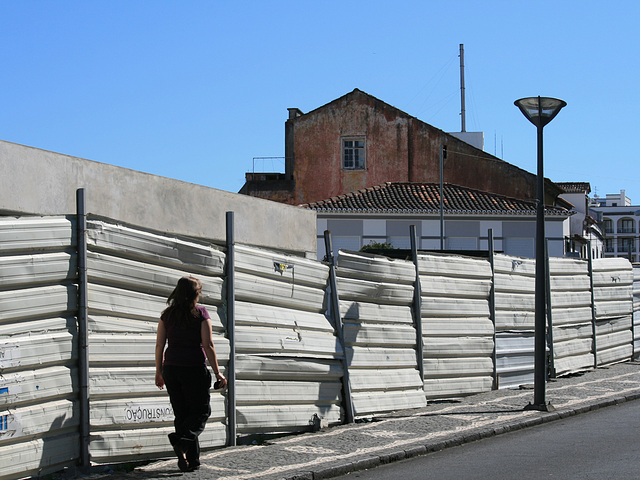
<point>188,389</point>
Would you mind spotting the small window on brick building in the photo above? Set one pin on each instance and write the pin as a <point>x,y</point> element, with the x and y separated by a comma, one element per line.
<point>353,153</point>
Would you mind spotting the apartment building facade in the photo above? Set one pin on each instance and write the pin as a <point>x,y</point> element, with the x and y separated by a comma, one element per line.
<point>621,225</point>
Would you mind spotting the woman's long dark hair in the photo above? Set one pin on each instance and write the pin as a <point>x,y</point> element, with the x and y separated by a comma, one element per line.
<point>182,301</point>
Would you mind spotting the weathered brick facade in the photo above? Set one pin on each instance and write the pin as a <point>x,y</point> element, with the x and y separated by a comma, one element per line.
<point>398,148</point>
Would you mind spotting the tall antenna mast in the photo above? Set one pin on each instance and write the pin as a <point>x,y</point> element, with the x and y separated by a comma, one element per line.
<point>463,111</point>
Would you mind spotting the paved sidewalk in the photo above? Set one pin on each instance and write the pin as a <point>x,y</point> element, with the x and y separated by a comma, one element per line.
<point>338,450</point>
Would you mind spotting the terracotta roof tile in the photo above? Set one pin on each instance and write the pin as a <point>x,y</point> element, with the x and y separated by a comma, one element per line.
<point>403,197</point>
<point>575,187</point>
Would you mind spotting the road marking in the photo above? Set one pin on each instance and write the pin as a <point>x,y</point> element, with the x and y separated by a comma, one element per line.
<point>309,449</point>
<point>385,434</point>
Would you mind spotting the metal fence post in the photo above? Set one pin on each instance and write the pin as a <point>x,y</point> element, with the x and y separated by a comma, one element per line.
<point>417,304</point>
<point>492,308</point>
<point>593,307</point>
<point>231,328</point>
<point>337,323</point>
<point>551,367</point>
<point>83,329</point>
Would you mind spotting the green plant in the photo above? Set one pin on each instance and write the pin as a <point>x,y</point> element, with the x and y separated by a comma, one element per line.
<point>377,246</point>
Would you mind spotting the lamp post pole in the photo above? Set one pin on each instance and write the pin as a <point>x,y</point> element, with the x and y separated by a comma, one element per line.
<point>540,111</point>
<point>540,368</point>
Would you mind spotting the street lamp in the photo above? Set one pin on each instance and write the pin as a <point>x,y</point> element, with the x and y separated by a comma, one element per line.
<point>540,111</point>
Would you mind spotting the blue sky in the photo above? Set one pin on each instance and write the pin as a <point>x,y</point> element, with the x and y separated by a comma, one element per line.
<point>194,90</point>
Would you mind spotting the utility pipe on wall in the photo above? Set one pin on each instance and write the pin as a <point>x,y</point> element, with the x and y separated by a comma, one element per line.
<point>442,197</point>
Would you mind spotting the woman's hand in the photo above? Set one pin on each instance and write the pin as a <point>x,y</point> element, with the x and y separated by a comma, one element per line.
<point>222,379</point>
<point>159,380</point>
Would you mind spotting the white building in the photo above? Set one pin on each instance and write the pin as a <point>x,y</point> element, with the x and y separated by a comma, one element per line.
<point>621,225</point>
<point>585,229</point>
<point>384,213</point>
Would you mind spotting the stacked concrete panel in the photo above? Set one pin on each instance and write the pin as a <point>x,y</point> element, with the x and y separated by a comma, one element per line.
<point>288,360</point>
<point>571,315</point>
<point>456,325</point>
<point>613,299</point>
<point>131,272</point>
<point>39,413</point>
<point>514,281</point>
<point>289,356</point>
<point>376,295</point>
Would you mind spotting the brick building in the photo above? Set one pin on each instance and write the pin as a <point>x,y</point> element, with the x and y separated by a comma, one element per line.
<point>358,141</point>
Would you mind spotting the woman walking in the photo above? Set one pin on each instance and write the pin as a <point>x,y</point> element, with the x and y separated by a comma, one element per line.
<point>186,327</point>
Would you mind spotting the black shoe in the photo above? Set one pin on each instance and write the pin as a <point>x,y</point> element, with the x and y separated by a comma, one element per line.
<point>183,466</point>
<point>191,447</point>
<point>177,448</point>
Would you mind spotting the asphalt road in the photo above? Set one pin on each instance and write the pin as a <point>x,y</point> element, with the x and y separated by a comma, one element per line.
<point>603,444</point>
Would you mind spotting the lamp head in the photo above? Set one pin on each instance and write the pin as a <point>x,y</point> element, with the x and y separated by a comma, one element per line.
<point>540,110</point>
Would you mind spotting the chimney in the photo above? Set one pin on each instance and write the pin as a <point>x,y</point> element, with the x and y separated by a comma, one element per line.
<point>288,142</point>
<point>294,113</point>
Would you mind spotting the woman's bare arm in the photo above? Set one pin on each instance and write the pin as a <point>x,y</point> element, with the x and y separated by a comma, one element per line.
<point>161,340</point>
<point>210,351</point>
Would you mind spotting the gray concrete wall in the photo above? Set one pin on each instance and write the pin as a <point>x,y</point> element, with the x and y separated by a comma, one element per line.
<point>34,181</point>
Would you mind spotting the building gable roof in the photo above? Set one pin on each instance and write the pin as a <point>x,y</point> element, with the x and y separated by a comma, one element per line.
<point>364,96</point>
<point>406,197</point>
<point>575,187</point>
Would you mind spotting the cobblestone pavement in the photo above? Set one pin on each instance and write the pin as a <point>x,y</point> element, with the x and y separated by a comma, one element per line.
<point>338,450</point>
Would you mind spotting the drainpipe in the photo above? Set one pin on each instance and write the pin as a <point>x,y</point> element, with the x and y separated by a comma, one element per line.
<point>442,154</point>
